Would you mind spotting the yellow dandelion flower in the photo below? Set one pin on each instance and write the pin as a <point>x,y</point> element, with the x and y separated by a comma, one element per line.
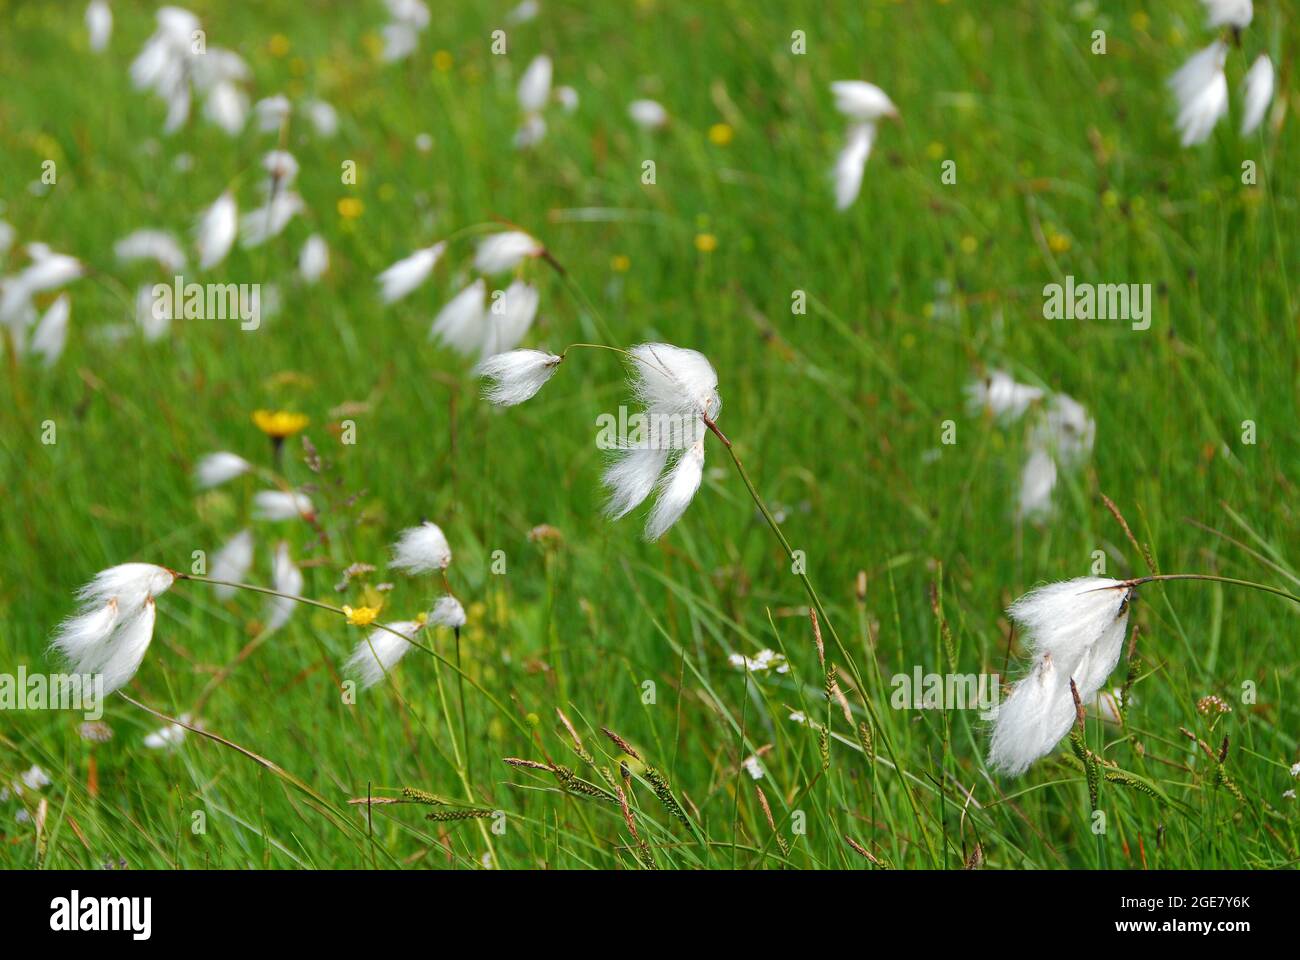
<point>279,424</point>
<point>350,208</point>
<point>706,242</point>
<point>360,616</point>
<point>1058,242</point>
<point>620,263</point>
<point>443,61</point>
<point>278,45</point>
<point>721,134</point>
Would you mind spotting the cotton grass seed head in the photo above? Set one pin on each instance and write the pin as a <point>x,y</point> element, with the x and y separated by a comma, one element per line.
<point>1201,91</point>
<point>499,252</point>
<point>422,549</point>
<point>516,376</point>
<point>380,652</point>
<point>1258,91</point>
<point>448,612</point>
<point>111,632</point>
<point>1076,631</point>
<point>278,505</point>
<point>408,273</point>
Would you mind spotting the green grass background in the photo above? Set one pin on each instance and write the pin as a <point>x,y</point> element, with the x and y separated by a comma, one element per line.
<point>1067,163</point>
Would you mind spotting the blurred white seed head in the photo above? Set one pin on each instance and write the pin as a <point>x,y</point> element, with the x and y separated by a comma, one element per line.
<point>1201,90</point>
<point>499,252</point>
<point>51,334</point>
<point>448,612</point>
<point>271,113</point>
<point>567,97</point>
<point>277,505</point>
<point>1258,92</point>
<point>460,323</point>
<point>408,273</point>
<point>219,467</point>
<point>535,85</point>
<point>648,114</point>
<point>1037,481</point>
<point>851,163</point>
<point>421,549</point>
<point>216,231</point>
<point>158,245</point>
<point>323,117</point>
<point>862,102</point>
<point>1228,13</point>
<point>232,562</point>
<point>516,376</point>
<point>380,651</point>
<point>99,24</point>
<point>505,329</point>
<point>1000,395</point>
<point>285,578</point>
<point>314,259</point>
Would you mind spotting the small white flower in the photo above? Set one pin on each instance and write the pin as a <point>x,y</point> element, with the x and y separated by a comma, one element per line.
<point>34,778</point>
<point>408,273</point>
<point>99,24</point>
<point>421,549</point>
<point>51,334</point>
<point>753,767</point>
<point>765,661</point>
<point>216,231</point>
<point>1076,630</point>
<point>1295,769</point>
<point>1259,91</point>
<point>448,612</point>
<point>851,163</point>
<point>218,468</point>
<point>862,102</point>
<point>1228,13</point>
<point>232,562</point>
<point>314,259</point>
<point>535,85</point>
<point>460,323</point>
<point>380,651</point>
<point>279,505</point>
<point>158,245</point>
<point>648,114</point>
<point>500,252</point>
<point>1201,90</point>
<point>518,375</point>
<point>798,716</point>
<point>112,630</point>
<point>1001,396</point>
<point>285,578</point>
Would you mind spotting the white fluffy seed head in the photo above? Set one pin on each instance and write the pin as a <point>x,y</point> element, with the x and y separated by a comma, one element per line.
<point>1075,631</point>
<point>277,505</point>
<point>516,376</point>
<point>1258,93</point>
<point>460,324</point>
<point>232,562</point>
<point>448,612</point>
<point>500,252</point>
<point>421,549</point>
<point>1228,13</point>
<point>861,101</point>
<point>220,467</point>
<point>851,163</point>
<point>408,273</point>
<point>285,578</point>
<point>648,114</point>
<point>51,334</point>
<point>631,477</point>
<point>1000,395</point>
<point>380,651</point>
<point>314,259</point>
<point>1037,481</point>
<point>676,491</point>
<point>674,380</point>
<point>216,231</point>
<point>535,85</point>
<point>157,245</point>
<point>1066,430</point>
<point>1201,90</point>
<point>99,24</point>
<point>505,329</point>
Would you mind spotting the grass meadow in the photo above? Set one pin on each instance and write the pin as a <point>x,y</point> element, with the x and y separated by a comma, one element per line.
<point>843,343</point>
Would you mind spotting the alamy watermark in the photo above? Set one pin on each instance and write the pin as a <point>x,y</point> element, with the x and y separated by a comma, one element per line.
<point>638,430</point>
<point>208,301</point>
<point>945,691</point>
<point>53,691</point>
<point>1093,301</point>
